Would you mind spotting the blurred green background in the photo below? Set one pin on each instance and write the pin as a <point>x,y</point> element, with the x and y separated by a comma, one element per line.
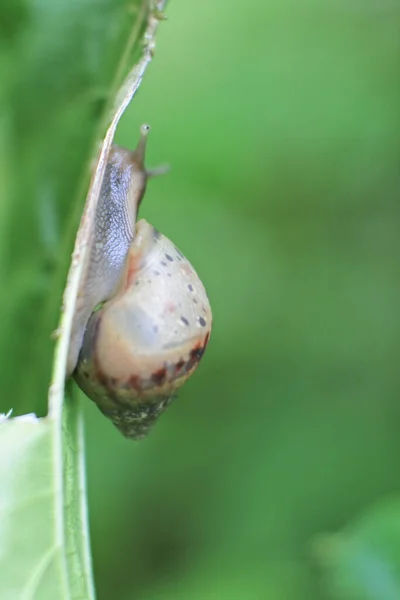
<point>280,120</point>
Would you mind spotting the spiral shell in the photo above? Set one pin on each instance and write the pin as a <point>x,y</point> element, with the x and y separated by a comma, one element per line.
<point>142,345</point>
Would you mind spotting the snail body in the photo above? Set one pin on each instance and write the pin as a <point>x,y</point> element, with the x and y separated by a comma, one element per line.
<point>112,233</point>
<point>150,332</point>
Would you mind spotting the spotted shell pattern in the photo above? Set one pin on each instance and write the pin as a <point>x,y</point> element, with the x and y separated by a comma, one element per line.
<point>143,344</point>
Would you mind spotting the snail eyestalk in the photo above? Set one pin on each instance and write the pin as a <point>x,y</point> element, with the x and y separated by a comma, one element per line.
<point>139,153</point>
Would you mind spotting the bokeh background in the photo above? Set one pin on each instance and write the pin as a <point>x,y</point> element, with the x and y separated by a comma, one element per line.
<point>274,474</point>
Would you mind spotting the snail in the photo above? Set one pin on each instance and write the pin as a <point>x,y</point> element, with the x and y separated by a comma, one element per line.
<point>143,319</point>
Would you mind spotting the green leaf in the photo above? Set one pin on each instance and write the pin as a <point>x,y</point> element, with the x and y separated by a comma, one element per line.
<point>363,562</point>
<point>76,65</point>
<point>27,512</point>
<point>44,547</point>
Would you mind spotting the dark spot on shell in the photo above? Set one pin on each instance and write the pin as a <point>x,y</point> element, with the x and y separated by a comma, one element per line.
<point>156,234</point>
<point>194,300</point>
<point>134,382</point>
<point>164,264</point>
<point>149,281</point>
<point>202,322</point>
<point>195,356</point>
<point>196,353</point>
<point>204,310</point>
<point>169,275</point>
<point>180,364</point>
<point>156,272</point>
<point>190,288</point>
<point>158,377</point>
<point>169,257</point>
<point>184,321</point>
